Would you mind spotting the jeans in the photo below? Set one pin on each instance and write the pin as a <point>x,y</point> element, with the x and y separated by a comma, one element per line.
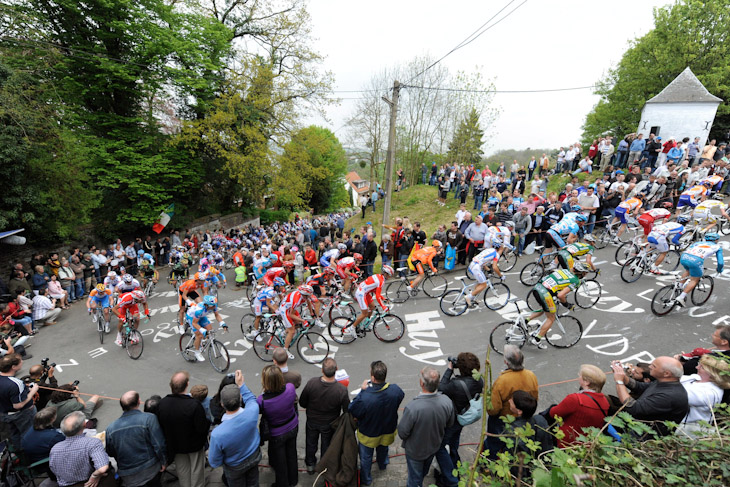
<point>448,460</point>
<point>366,461</point>
<point>70,289</point>
<point>521,243</point>
<point>478,202</point>
<point>367,269</point>
<point>621,158</point>
<point>417,469</point>
<point>386,260</point>
<point>493,443</point>
<point>423,178</point>
<point>372,202</point>
<point>579,170</point>
<point>432,181</point>
<point>591,223</point>
<point>283,458</point>
<point>246,474</point>
<point>79,287</point>
<point>313,432</point>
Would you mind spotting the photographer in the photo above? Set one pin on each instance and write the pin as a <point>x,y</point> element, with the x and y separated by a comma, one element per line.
<point>11,341</point>
<point>455,388</point>
<point>43,376</point>
<point>67,400</point>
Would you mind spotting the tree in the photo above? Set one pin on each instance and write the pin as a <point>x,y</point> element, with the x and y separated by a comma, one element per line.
<point>466,146</point>
<point>688,33</point>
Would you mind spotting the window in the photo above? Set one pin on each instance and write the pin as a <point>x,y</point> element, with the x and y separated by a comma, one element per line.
<point>655,131</point>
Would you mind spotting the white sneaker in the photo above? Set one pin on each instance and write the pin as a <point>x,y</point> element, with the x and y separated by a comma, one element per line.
<point>106,327</point>
<point>469,301</point>
<point>199,356</point>
<point>320,323</point>
<point>118,341</point>
<point>351,331</point>
<point>539,343</point>
<point>290,355</point>
<point>94,317</point>
<point>252,334</point>
<point>681,302</point>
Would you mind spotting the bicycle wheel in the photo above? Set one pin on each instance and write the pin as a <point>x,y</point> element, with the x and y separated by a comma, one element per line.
<point>625,251</point>
<point>341,330</point>
<point>507,261</point>
<point>703,290</point>
<point>453,303</point>
<point>724,225</point>
<point>247,323</point>
<point>496,296</point>
<point>264,349</point>
<point>397,291</point>
<point>507,333</point>
<point>435,286</point>
<point>345,310</point>
<point>389,328</point>
<point>588,293</point>
<point>603,238</point>
<point>531,274</point>
<point>663,300</point>
<point>186,346</point>
<point>134,345</point>
<point>100,329</point>
<point>565,332</point>
<point>148,289</point>
<point>670,262</point>
<point>633,269</point>
<point>251,292</point>
<point>218,356</point>
<point>312,347</point>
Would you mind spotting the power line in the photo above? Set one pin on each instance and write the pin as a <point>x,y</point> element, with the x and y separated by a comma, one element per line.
<point>464,90</point>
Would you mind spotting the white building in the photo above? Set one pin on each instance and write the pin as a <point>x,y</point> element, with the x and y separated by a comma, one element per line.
<point>683,109</point>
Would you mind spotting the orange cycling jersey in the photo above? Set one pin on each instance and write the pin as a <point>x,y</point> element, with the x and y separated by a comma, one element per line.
<point>424,256</point>
<point>189,286</point>
<point>95,293</point>
<point>631,204</point>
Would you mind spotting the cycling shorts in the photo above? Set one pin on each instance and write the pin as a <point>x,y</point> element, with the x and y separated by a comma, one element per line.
<point>345,273</point>
<point>478,273</point>
<point>363,299</point>
<point>545,298</point>
<point>659,242</point>
<point>268,282</point>
<point>258,307</point>
<point>554,237</point>
<point>694,264</point>
<point>565,260</point>
<point>104,302</point>
<point>191,295</point>
<point>647,223</point>
<point>621,215</point>
<point>325,263</point>
<point>285,315</point>
<point>203,322</point>
<point>417,264</point>
<point>685,200</point>
<point>148,274</point>
<point>704,217</point>
<point>133,310</point>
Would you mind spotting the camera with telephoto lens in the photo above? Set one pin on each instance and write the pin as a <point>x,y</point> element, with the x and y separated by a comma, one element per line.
<point>452,360</point>
<point>46,366</point>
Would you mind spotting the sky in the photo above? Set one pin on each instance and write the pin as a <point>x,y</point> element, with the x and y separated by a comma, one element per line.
<point>544,44</point>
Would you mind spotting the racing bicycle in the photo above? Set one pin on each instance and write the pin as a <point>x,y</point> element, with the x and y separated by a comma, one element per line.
<point>268,322</point>
<point>635,267</point>
<point>665,299</point>
<point>97,316</point>
<point>216,351</point>
<point>534,271</point>
<point>585,296</point>
<point>565,332</point>
<point>131,338</point>
<point>311,346</point>
<point>433,285</point>
<point>386,327</point>
<point>496,296</point>
<point>606,235</point>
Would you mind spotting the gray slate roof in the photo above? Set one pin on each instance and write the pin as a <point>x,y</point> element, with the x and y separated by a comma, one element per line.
<point>685,88</point>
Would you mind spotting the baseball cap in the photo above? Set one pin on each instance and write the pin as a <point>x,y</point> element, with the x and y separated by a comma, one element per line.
<point>658,138</point>
<point>619,172</point>
<point>229,393</point>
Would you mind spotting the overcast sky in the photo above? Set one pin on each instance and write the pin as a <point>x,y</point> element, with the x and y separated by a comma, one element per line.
<point>544,44</point>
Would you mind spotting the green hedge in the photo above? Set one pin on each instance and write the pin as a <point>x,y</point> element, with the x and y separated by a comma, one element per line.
<point>271,216</point>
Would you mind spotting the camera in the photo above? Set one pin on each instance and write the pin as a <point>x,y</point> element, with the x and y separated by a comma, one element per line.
<point>75,383</point>
<point>451,359</point>
<point>46,365</point>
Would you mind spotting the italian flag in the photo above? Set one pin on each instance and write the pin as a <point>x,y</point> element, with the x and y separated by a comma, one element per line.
<point>164,218</point>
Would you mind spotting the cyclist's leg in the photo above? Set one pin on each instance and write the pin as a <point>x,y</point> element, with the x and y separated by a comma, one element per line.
<point>420,277</point>
<point>364,301</point>
<point>662,246</point>
<point>478,272</point>
<point>290,327</point>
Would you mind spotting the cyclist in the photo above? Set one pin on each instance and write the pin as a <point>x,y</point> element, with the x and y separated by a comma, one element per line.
<point>364,295</point>
<point>218,260</point>
<point>654,215</point>
<point>175,255</point>
<point>261,262</point>
<point>288,311</point>
<point>111,280</point>
<point>624,210</point>
<point>148,257</point>
<point>197,318</point>
<point>704,215</point>
<point>693,196</point>
<point>329,258</point>
<point>324,279</point>
<point>101,296</point>
<point>424,256</point>
<point>557,284</point>
<point>566,255</point>
<point>281,272</point>
<point>487,257</point>
<point>189,295</point>
<point>266,297</point>
<point>658,240</point>
<point>215,278</point>
<point>715,182</point>
<point>693,260</point>
<point>181,269</point>
<point>148,273</point>
<point>129,302</point>
<point>501,237</point>
<point>128,284</point>
<point>346,268</point>
<point>566,230</point>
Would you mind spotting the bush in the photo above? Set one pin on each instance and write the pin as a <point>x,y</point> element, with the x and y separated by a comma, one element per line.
<point>271,216</point>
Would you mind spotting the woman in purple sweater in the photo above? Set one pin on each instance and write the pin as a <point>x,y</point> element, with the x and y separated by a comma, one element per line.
<point>278,403</point>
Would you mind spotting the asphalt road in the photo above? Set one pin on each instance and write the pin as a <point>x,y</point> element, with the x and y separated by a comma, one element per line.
<point>621,326</point>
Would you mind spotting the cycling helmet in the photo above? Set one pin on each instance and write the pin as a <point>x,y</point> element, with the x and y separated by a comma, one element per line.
<point>640,195</point>
<point>357,257</point>
<point>288,265</point>
<point>387,270</point>
<point>305,290</point>
<point>140,252</point>
<point>199,276</point>
<point>145,262</point>
<point>138,295</point>
<point>112,274</point>
<point>590,238</point>
<point>580,267</point>
<point>510,224</point>
<point>667,205</point>
<point>213,272</point>
<point>101,288</point>
<point>217,256</point>
<point>682,220</point>
<point>211,301</point>
<point>328,271</point>
<point>575,208</point>
<point>436,243</point>
<point>707,183</point>
<point>127,278</point>
<point>341,247</point>
<point>581,218</point>
<point>712,237</point>
<point>147,257</point>
<point>279,282</point>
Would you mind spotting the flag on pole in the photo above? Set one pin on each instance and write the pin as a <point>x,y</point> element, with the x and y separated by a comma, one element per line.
<point>164,218</point>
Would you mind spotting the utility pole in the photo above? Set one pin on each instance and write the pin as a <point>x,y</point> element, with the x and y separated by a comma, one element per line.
<point>390,155</point>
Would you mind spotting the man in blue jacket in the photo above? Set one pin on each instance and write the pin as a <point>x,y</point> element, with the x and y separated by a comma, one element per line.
<point>235,443</point>
<point>376,412</point>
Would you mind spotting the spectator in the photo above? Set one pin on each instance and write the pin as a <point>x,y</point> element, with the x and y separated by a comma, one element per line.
<point>38,440</point>
<point>18,282</point>
<point>704,392</point>
<point>185,427</point>
<point>67,400</point>
<point>44,309</point>
<point>199,392</point>
<point>514,378</point>
<point>369,255</point>
<point>278,406</point>
<point>23,319</point>
<point>16,399</point>
<point>78,269</point>
<point>56,292</point>
<point>523,225</point>
<point>67,278</point>
<point>323,398</point>
<point>235,444</point>
<point>522,406</point>
<point>46,378</point>
<point>661,400</point>
<point>582,409</point>
<point>423,424</point>
<point>216,408</point>
<point>386,250</point>
<point>136,441</point>
<point>89,279</point>
<point>588,202</point>
<point>540,224</point>
<point>290,376</point>
<point>475,235</point>
<point>80,460</point>
<point>40,279</point>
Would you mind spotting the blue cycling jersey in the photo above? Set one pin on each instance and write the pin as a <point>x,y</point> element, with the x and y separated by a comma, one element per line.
<point>265,294</point>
